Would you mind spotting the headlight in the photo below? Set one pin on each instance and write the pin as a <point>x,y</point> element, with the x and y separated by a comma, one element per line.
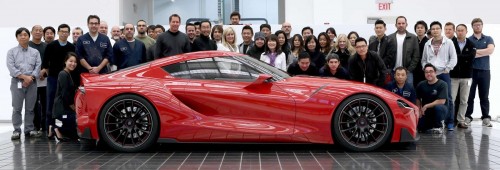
<point>403,104</point>
<point>81,89</point>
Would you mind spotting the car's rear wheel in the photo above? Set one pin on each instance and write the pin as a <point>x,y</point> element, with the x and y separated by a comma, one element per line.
<point>128,123</point>
<point>362,123</point>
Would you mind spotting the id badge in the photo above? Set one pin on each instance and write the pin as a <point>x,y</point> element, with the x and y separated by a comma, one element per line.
<point>64,116</point>
<point>19,85</point>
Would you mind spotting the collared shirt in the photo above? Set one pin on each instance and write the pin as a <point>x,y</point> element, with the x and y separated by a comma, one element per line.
<point>23,61</point>
<point>461,44</point>
<point>481,63</point>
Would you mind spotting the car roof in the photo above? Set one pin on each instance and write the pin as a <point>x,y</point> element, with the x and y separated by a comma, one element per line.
<point>192,56</point>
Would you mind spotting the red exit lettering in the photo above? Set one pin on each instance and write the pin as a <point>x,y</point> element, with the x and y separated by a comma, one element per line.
<point>384,6</point>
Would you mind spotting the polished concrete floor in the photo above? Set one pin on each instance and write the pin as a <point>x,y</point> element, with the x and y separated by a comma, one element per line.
<point>474,148</point>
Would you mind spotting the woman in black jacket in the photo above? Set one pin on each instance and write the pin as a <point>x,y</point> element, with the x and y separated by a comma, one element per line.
<point>64,103</point>
<point>312,47</point>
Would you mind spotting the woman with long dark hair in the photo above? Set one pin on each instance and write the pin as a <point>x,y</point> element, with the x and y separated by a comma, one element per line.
<point>64,103</point>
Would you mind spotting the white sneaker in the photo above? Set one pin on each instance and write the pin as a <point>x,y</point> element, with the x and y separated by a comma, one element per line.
<point>436,130</point>
<point>468,121</point>
<point>15,136</point>
<point>486,122</point>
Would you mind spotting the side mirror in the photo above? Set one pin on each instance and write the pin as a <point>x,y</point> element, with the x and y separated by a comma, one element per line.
<point>263,79</point>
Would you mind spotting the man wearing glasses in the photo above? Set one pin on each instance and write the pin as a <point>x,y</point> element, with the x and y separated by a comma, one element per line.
<point>480,72</point>
<point>94,50</point>
<point>366,66</point>
<point>52,64</point>
<point>431,99</point>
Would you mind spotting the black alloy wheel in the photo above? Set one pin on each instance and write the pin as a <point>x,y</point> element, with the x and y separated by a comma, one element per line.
<point>129,123</point>
<point>362,123</point>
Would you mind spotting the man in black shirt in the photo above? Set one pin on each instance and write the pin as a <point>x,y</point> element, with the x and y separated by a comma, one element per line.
<point>431,99</point>
<point>173,41</point>
<point>303,66</point>
<point>53,63</point>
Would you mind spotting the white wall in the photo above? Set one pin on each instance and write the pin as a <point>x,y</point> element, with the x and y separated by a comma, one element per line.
<point>208,9</point>
<point>357,11</point>
<point>135,10</point>
<point>27,13</point>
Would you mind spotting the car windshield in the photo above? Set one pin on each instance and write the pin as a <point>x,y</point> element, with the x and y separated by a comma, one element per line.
<point>263,67</point>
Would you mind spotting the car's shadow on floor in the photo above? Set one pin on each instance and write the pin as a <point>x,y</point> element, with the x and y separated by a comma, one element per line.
<point>243,147</point>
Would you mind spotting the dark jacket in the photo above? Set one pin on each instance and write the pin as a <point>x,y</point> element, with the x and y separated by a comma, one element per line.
<point>463,69</point>
<point>385,51</point>
<point>65,94</point>
<point>317,58</point>
<point>203,43</point>
<point>241,48</point>
<point>344,58</point>
<point>255,51</point>
<point>94,52</point>
<point>411,53</point>
<point>294,70</point>
<point>125,56</point>
<point>372,70</point>
<point>55,57</point>
<point>340,74</point>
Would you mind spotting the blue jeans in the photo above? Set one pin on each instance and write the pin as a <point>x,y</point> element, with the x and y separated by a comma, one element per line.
<point>480,80</point>
<point>432,118</point>
<point>51,94</point>
<point>450,117</point>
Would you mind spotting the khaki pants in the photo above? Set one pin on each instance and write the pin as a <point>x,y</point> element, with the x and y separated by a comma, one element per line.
<point>462,84</point>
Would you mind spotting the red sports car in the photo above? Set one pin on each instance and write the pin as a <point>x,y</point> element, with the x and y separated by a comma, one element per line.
<point>229,97</point>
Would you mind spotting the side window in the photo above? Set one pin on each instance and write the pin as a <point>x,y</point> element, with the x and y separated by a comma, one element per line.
<point>217,68</point>
<point>234,69</point>
<point>204,68</point>
<point>178,70</point>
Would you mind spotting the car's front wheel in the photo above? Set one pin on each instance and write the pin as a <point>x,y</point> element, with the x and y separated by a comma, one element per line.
<point>362,123</point>
<point>128,123</point>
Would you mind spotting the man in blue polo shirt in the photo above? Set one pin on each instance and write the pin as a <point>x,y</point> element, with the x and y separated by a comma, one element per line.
<point>129,51</point>
<point>480,72</point>
<point>401,87</point>
<point>94,49</point>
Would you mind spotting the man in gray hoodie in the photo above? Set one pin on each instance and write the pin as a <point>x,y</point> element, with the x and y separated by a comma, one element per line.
<point>440,52</point>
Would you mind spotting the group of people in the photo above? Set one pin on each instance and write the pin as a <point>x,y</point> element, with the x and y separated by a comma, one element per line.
<point>45,75</point>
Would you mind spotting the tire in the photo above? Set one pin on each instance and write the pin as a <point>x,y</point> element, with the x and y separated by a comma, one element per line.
<point>128,123</point>
<point>362,123</point>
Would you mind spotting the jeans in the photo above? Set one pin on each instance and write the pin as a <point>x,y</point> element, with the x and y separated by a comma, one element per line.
<point>481,81</point>
<point>51,94</point>
<point>433,118</point>
<point>449,118</point>
<point>462,85</point>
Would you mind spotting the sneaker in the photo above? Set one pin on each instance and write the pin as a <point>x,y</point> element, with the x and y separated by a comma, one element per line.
<point>486,122</point>
<point>450,127</point>
<point>436,130</point>
<point>15,136</point>
<point>463,125</point>
<point>468,121</point>
<point>35,134</point>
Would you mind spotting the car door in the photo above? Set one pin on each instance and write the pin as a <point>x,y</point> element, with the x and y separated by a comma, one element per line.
<point>219,88</point>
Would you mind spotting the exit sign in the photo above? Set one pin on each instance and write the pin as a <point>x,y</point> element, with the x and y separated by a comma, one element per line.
<point>384,6</point>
